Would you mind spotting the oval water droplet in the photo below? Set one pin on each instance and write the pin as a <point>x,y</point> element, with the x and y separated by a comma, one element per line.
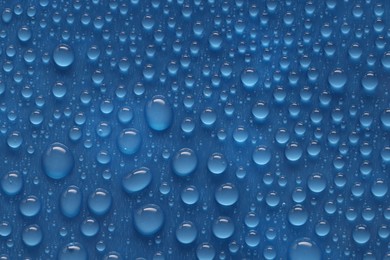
<point>148,219</point>
<point>57,161</point>
<point>70,201</point>
<point>137,180</point>
<point>129,141</point>
<point>184,162</point>
<point>158,112</point>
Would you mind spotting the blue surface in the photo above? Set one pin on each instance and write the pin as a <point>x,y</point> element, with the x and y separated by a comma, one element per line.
<point>194,129</point>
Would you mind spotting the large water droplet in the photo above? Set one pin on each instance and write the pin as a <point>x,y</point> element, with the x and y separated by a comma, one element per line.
<point>129,141</point>
<point>70,201</point>
<point>186,232</point>
<point>249,78</point>
<point>12,183</point>
<point>99,202</point>
<point>223,227</point>
<point>57,161</point>
<point>73,251</point>
<point>337,80</point>
<point>63,56</point>
<point>184,162</point>
<point>304,248</point>
<point>32,235</point>
<point>158,113</point>
<point>148,219</point>
<point>137,180</point>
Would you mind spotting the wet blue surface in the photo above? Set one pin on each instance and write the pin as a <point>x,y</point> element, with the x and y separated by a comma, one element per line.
<point>194,129</point>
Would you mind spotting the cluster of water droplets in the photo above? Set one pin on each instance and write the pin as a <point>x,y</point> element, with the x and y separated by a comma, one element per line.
<point>201,129</point>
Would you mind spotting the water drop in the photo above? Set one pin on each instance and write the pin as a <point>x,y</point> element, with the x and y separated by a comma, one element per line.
<point>57,161</point>
<point>63,56</point>
<point>158,112</point>
<point>148,219</point>
<point>184,162</point>
<point>137,180</point>
<point>70,201</point>
<point>129,141</point>
<point>186,232</point>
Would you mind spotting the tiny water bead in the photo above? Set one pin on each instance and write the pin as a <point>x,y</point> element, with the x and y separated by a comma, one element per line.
<point>73,251</point>
<point>137,180</point>
<point>12,183</point>
<point>99,202</point>
<point>184,162</point>
<point>129,141</point>
<point>148,219</point>
<point>57,161</point>
<point>158,113</point>
<point>71,201</point>
<point>63,56</point>
<point>186,232</point>
<point>304,248</point>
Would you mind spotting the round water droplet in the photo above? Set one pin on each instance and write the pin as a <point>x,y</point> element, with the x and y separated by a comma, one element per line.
<point>63,56</point>
<point>73,251</point>
<point>217,163</point>
<point>205,251</point>
<point>32,235</point>
<point>89,227</point>
<point>261,155</point>
<point>59,90</point>
<point>137,180</point>
<point>148,219</point>
<point>70,201</point>
<point>12,183</point>
<point>370,82</point>
<point>15,140</point>
<point>337,80</point>
<point>226,194</point>
<point>298,216</point>
<point>30,206</point>
<point>186,232</point>
<point>223,227</point>
<point>249,78</point>
<point>158,112</point>
<point>184,162</point>
<point>57,161</point>
<point>316,182</point>
<point>129,141</point>
<point>293,152</point>
<point>5,229</point>
<point>304,248</point>
<point>190,195</point>
<point>361,234</point>
<point>252,239</point>
<point>99,202</point>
